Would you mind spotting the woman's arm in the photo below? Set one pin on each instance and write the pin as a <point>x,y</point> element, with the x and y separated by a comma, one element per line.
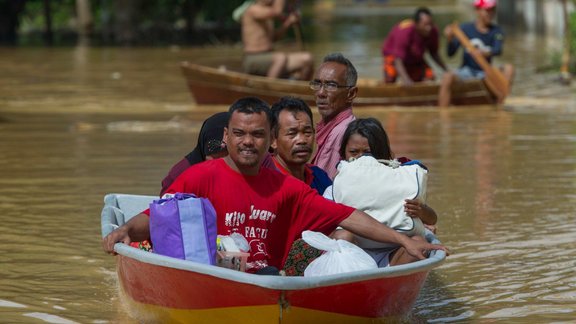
<point>415,208</point>
<point>364,225</point>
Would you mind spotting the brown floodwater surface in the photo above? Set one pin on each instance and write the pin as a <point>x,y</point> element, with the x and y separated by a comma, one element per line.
<point>77,123</point>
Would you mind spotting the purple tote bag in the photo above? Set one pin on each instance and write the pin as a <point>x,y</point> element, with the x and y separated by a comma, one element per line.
<point>184,227</point>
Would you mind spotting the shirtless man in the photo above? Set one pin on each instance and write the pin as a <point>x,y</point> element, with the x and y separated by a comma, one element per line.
<point>258,36</point>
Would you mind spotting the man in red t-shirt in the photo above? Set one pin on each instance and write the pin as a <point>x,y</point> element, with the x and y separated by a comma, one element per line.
<point>404,48</point>
<point>267,207</point>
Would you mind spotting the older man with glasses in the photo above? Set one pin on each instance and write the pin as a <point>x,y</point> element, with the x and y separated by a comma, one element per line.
<point>334,86</point>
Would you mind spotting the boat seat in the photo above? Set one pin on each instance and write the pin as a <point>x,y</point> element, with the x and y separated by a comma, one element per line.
<point>119,208</point>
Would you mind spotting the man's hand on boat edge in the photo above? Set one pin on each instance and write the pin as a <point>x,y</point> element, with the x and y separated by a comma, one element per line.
<point>421,249</point>
<point>119,235</point>
<point>136,229</point>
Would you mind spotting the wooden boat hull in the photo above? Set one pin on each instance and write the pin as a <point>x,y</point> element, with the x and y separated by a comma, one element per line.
<point>163,289</point>
<point>222,86</point>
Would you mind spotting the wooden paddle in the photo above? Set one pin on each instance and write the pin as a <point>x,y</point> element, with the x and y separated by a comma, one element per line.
<point>298,34</point>
<point>293,6</point>
<point>495,79</point>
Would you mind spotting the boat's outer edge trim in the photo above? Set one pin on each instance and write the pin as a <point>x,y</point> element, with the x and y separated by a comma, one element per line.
<point>283,283</point>
<point>280,282</point>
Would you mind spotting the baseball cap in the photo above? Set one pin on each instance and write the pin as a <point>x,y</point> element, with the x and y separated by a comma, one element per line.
<point>484,4</point>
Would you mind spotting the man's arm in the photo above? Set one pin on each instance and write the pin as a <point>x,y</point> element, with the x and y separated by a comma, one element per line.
<point>286,24</point>
<point>362,224</point>
<point>260,12</point>
<point>439,60</point>
<point>433,48</point>
<point>497,42</point>
<point>136,229</point>
<point>453,43</point>
<point>399,64</point>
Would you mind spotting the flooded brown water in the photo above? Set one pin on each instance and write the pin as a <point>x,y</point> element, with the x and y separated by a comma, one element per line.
<point>77,123</point>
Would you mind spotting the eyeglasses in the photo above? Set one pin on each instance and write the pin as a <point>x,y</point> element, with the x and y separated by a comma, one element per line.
<point>328,85</point>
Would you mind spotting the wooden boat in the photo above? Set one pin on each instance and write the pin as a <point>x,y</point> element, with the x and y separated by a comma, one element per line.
<point>222,85</point>
<point>161,289</point>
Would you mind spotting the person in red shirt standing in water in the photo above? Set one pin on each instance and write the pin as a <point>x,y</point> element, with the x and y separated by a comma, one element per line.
<point>268,208</point>
<point>405,46</point>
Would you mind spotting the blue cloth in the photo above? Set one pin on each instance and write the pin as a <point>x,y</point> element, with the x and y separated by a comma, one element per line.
<point>320,180</point>
<point>467,73</point>
<point>491,41</point>
<point>412,162</point>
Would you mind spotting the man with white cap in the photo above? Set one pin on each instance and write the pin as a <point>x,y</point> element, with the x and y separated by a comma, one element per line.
<point>488,40</point>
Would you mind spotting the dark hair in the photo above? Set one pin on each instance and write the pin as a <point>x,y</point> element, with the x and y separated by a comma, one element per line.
<point>291,104</point>
<point>250,105</point>
<point>209,138</point>
<point>421,11</point>
<point>374,132</point>
<point>351,74</point>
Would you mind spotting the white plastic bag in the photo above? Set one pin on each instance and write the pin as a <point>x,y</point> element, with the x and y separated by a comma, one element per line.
<point>340,256</point>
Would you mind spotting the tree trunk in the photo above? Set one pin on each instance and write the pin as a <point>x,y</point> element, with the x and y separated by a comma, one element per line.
<point>10,11</point>
<point>125,20</point>
<point>565,68</point>
<point>105,19</point>
<point>190,9</point>
<point>48,33</point>
<point>85,22</point>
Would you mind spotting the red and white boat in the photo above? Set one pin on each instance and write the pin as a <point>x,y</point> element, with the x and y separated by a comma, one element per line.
<point>163,289</point>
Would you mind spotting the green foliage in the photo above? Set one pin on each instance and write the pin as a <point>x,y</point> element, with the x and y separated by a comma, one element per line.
<point>555,57</point>
<point>220,10</point>
<point>155,21</point>
<point>63,12</point>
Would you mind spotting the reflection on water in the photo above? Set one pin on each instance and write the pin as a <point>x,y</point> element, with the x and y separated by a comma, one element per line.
<point>78,123</point>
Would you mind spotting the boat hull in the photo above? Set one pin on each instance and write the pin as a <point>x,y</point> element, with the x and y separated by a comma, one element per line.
<point>163,289</point>
<point>178,295</point>
<point>222,86</point>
